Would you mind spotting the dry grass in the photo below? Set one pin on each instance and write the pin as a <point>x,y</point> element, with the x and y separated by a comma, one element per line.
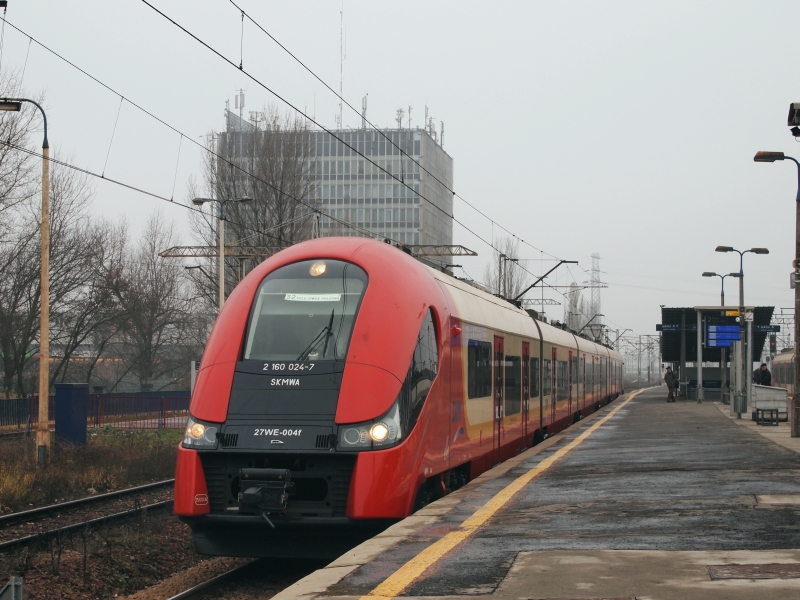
<point>112,459</point>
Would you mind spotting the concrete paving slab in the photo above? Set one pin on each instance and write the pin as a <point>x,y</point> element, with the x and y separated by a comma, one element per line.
<point>654,575</point>
<point>639,508</point>
<point>780,434</point>
<point>312,587</point>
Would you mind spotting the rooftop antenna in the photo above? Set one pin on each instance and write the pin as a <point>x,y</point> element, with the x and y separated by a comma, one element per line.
<point>364,112</point>
<point>441,134</point>
<point>341,60</point>
<point>409,117</point>
<point>399,118</point>
<point>239,103</point>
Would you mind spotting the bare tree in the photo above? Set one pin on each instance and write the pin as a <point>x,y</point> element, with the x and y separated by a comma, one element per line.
<point>273,167</point>
<point>152,294</point>
<point>513,279</point>
<point>73,251</point>
<point>18,170</point>
<point>575,311</point>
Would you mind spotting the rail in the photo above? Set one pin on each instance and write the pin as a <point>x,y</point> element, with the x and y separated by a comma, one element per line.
<point>195,590</point>
<point>120,516</point>
<point>38,513</point>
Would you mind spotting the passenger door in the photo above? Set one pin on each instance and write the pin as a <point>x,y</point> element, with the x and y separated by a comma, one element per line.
<point>554,386</point>
<point>569,383</point>
<point>499,386</point>
<point>526,388</point>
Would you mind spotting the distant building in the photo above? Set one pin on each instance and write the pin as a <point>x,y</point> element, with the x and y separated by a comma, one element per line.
<point>350,189</point>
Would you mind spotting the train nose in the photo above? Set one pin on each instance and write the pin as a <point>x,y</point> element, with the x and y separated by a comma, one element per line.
<point>265,491</point>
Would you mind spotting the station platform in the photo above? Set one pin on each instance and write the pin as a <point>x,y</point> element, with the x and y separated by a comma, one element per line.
<point>643,499</point>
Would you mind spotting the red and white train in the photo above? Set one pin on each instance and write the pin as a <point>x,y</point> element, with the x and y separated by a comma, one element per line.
<point>346,382</point>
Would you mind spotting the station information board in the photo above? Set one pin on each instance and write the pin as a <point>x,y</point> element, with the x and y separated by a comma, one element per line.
<point>722,336</point>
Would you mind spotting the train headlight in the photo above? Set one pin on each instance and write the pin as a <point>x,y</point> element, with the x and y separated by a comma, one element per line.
<point>380,433</point>
<point>200,435</point>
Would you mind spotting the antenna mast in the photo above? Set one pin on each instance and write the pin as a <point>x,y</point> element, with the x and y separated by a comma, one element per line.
<point>596,283</point>
<point>364,112</point>
<point>341,60</point>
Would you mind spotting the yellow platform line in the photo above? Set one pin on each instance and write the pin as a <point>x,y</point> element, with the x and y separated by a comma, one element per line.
<point>405,575</point>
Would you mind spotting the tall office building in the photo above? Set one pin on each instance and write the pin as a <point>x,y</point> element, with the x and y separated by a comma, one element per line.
<point>351,190</point>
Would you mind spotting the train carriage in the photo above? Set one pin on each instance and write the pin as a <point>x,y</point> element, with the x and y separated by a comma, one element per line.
<point>346,383</point>
<point>783,370</point>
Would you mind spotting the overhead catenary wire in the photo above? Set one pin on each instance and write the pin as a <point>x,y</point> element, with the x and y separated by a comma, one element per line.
<point>341,222</point>
<point>380,131</point>
<point>85,171</point>
<point>134,188</point>
<point>232,164</point>
<point>113,131</point>
<point>325,129</point>
<point>224,159</point>
<point>257,81</point>
<point>177,162</point>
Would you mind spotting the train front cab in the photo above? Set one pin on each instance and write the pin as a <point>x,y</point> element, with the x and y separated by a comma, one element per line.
<point>353,437</point>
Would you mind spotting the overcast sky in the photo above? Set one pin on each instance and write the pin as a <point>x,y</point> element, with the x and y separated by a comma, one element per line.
<point>622,128</point>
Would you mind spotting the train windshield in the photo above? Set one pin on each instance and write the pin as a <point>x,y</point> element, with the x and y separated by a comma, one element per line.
<point>305,312</point>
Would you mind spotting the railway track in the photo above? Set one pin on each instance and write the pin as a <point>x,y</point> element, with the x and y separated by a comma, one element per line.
<point>257,579</point>
<point>195,591</point>
<point>15,527</point>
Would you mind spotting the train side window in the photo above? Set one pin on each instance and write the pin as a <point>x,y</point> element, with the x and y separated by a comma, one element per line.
<point>513,366</point>
<point>547,384</point>
<point>581,378</point>
<point>421,373</point>
<point>479,369</point>
<point>534,377</point>
<point>561,379</point>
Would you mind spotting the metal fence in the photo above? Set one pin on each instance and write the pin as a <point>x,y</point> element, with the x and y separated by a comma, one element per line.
<point>135,411</point>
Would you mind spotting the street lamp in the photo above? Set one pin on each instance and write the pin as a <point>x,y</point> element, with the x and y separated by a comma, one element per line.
<point>723,360</point>
<point>43,429</point>
<point>221,234</point>
<point>748,379</point>
<point>772,157</point>
<point>722,278</point>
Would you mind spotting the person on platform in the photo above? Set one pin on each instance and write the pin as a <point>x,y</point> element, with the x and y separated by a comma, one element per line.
<point>763,376</point>
<point>671,381</point>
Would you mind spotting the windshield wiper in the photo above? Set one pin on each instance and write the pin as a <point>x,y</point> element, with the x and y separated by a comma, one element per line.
<point>325,334</point>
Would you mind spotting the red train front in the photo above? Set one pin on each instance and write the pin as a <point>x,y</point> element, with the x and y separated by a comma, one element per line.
<point>306,410</point>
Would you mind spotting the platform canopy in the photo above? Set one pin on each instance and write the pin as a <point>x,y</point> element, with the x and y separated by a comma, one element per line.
<point>671,340</point>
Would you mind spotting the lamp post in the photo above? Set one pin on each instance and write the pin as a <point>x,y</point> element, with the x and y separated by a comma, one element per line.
<point>43,429</point>
<point>722,278</point>
<point>221,234</point>
<point>748,376</point>
<point>772,157</point>
<point>723,359</point>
